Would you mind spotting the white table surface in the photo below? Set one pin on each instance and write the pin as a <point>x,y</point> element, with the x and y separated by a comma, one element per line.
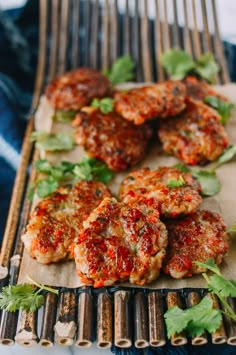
<point>227,15</point>
<point>55,350</point>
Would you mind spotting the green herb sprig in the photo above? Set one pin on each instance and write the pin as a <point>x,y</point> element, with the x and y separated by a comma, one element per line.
<point>220,286</point>
<point>53,141</point>
<point>176,183</point>
<point>223,108</point>
<point>25,296</point>
<point>87,169</point>
<point>208,179</point>
<point>105,105</point>
<point>201,317</point>
<point>194,320</point>
<point>122,70</point>
<point>64,116</point>
<point>178,64</point>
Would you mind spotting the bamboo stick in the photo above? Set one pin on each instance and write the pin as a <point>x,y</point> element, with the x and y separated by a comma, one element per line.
<point>193,299</point>
<point>104,321</point>
<point>8,328</point>
<point>141,321</point>
<point>27,329</point>
<point>173,299</point>
<point>122,319</point>
<point>230,325</point>
<point>219,336</point>
<point>49,319</point>
<point>157,336</point>
<point>65,326</point>
<point>85,321</point>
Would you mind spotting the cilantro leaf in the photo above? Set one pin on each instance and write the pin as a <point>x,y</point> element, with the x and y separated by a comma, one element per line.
<point>30,193</point>
<point>88,169</point>
<point>210,265</point>
<point>220,286</point>
<point>181,167</point>
<point>226,288</point>
<point>210,184</point>
<point>204,317</point>
<point>46,186</point>
<point>64,116</point>
<point>225,157</point>
<point>232,229</point>
<point>194,320</point>
<point>52,141</point>
<point>83,170</point>
<point>23,296</point>
<point>43,166</point>
<point>224,108</point>
<point>176,320</point>
<point>177,63</point>
<point>207,67</point>
<point>105,105</point>
<point>122,70</point>
<point>175,183</point>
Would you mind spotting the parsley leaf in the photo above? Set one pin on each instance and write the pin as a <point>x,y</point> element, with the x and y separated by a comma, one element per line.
<point>177,63</point>
<point>122,70</point>
<point>64,116</point>
<point>105,105</point>
<point>175,183</point>
<point>194,320</point>
<point>52,141</point>
<point>224,108</point>
<point>23,296</point>
<point>210,184</point>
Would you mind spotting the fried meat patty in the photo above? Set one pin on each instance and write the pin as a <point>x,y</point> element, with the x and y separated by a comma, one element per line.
<point>119,143</point>
<point>159,100</point>
<point>199,89</point>
<point>158,187</point>
<point>56,220</point>
<point>197,237</point>
<point>196,136</point>
<point>77,88</point>
<point>120,242</point>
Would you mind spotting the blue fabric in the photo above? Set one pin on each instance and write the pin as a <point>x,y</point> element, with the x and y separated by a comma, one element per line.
<point>18,30</point>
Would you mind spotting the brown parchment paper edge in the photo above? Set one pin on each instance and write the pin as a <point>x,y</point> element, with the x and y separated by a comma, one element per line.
<point>64,274</point>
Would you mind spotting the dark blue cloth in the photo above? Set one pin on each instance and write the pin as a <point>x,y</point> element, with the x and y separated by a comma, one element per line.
<point>18,54</point>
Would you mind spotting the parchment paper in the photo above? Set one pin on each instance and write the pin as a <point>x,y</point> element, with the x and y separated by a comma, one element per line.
<point>64,273</point>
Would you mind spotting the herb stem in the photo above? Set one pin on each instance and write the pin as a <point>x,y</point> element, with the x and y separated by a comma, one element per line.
<point>42,287</point>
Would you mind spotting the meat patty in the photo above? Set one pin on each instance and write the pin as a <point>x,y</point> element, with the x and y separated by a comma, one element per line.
<point>56,220</point>
<point>119,143</point>
<point>159,100</point>
<point>199,89</point>
<point>197,237</point>
<point>120,242</point>
<point>76,89</point>
<point>171,191</point>
<point>196,136</point>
